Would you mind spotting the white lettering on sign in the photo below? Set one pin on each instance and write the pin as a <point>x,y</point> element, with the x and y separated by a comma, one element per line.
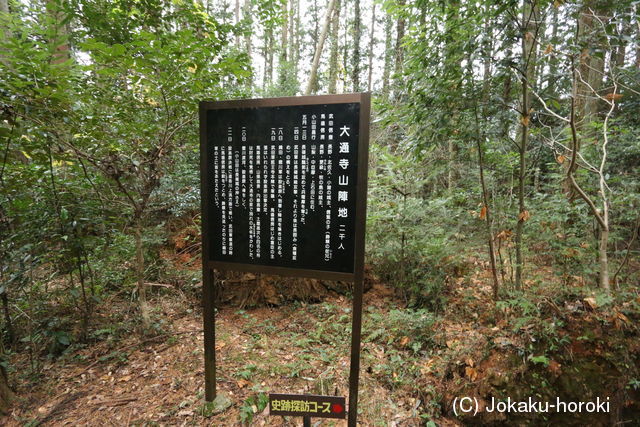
<point>284,184</point>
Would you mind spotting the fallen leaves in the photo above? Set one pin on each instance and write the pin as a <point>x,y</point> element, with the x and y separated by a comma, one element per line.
<point>452,343</point>
<point>471,373</point>
<point>504,235</point>
<point>622,317</point>
<point>428,366</point>
<point>119,401</point>
<point>555,368</point>
<point>590,303</point>
<point>404,341</point>
<point>502,341</point>
<point>524,216</point>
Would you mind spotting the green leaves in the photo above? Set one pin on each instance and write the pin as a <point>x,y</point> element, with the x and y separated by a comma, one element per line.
<point>542,360</point>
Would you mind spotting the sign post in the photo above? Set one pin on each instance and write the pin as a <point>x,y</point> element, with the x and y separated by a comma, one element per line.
<point>283,191</point>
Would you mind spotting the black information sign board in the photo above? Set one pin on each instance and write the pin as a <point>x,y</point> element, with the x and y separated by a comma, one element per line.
<point>283,189</point>
<point>308,405</point>
<point>282,184</point>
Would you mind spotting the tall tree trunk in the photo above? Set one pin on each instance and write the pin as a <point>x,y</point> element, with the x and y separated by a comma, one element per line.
<point>316,28</point>
<point>451,157</point>
<point>284,49</point>
<point>386,71</point>
<point>603,259</point>
<point>345,51</point>
<point>591,65</point>
<point>530,18</point>
<point>316,57</point>
<point>4,9</point>
<point>7,318</point>
<point>488,218</point>
<point>6,395</point>
<point>291,30</point>
<point>246,15</point>
<point>637,59</point>
<point>265,55</point>
<point>372,42</point>
<point>237,23</point>
<point>296,47</point>
<point>333,54</point>
<point>452,62</point>
<point>142,287</point>
<point>601,216</point>
<point>618,50</point>
<point>58,41</point>
<point>270,56</point>
<point>355,76</point>
<point>487,55</point>
<point>604,216</point>
<point>553,62</point>
<point>315,37</point>
<point>542,40</point>
<point>400,30</point>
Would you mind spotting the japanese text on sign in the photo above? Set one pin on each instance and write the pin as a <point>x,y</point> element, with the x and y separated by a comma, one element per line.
<point>307,405</point>
<point>283,185</point>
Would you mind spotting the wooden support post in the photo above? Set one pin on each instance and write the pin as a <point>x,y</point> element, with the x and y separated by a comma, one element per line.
<point>356,330</point>
<point>209,318</point>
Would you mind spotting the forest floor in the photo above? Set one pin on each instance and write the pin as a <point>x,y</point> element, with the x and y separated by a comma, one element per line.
<point>297,348</point>
<point>413,363</point>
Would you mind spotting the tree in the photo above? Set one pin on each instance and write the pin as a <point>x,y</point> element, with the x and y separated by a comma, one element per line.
<point>388,55</point>
<point>400,31</point>
<point>6,394</point>
<point>637,60</point>
<point>372,42</point>
<point>333,53</point>
<point>284,65</point>
<point>529,38</point>
<point>246,15</point>
<point>318,51</point>
<point>56,31</point>
<point>452,68</point>
<point>124,116</point>
<point>356,47</point>
<point>593,117</point>
<point>4,16</point>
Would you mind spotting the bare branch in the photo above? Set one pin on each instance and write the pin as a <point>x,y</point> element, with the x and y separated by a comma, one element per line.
<point>587,199</point>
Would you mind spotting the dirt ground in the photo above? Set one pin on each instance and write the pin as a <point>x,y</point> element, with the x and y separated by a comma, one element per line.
<point>409,374</point>
<point>161,381</point>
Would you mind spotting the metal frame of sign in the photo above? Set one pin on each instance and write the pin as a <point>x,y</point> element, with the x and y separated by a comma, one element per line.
<point>209,267</point>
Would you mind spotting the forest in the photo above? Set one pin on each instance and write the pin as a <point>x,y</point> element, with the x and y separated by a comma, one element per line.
<point>502,250</point>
